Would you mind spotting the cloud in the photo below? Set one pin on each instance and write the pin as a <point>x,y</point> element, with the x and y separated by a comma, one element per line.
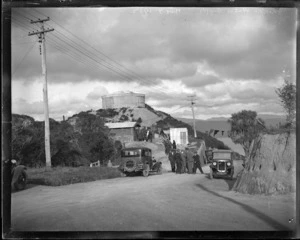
<point>230,58</point>
<point>201,80</point>
<point>21,106</point>
<point>97,93</point>
<point>238,45</point>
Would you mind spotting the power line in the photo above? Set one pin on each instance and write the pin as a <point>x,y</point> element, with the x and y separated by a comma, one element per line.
<point>91,59</point>
<point>130,71</point>
<point>23,58</point>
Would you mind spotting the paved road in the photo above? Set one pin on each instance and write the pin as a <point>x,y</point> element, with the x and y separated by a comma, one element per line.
<point>156,203</point>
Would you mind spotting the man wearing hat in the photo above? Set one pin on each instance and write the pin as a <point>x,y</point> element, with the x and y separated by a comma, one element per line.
<point>178,161</point>
<point>190,160</point>
<point>183,163</point>
<point>197,163</point>
<point>172,159</point>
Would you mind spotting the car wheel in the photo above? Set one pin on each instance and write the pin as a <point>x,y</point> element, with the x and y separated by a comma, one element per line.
<point>20,184</point>
<point>146,171</point>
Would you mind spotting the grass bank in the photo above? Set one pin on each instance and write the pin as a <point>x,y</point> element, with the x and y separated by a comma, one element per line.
<point>58,176</point>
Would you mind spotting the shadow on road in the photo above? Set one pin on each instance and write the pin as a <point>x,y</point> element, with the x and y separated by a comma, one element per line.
<point>251,210</point>
<point>229,182</point>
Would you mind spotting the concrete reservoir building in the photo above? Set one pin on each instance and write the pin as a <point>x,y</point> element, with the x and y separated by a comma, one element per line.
<point>123,99</point>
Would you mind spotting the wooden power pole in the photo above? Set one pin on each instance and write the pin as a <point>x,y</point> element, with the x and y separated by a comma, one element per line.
<point>192,98</point>
<point>41,35</point>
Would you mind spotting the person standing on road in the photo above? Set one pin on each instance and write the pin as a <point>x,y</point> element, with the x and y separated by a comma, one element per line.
<point>178,161</point>
<point>197,163</point>
<point>183,163</point>
<point>174,144</point>
<point>201,153</point>
<point>190,161</point>
<point>172,159</point>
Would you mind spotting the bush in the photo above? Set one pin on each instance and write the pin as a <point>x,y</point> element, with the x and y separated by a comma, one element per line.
<point>58,176</point>
<point>281,129</point>
<point>77,145</point>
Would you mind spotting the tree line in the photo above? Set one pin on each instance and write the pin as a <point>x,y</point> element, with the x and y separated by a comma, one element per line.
<point>87,141</point>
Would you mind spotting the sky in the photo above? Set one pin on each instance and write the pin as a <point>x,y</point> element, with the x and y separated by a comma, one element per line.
<point>230,59</point>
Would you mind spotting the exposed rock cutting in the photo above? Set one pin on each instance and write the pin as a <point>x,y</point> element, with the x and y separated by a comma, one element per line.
<point>271,166</point>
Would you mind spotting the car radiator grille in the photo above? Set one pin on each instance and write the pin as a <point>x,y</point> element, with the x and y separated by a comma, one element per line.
<point>129,164</point>
<point>222,166</point>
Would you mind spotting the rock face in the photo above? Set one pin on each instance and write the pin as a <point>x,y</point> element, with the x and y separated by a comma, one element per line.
<point>271,166</point>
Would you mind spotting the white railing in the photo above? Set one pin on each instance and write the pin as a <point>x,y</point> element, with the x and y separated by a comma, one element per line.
<point>95,164</point>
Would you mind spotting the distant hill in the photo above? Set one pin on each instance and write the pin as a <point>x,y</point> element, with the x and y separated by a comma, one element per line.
<point>223,126</point>
<point>206,125</point>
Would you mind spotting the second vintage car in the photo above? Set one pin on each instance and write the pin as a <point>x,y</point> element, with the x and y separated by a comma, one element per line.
<point>222,164</point>
<point>139,160</point>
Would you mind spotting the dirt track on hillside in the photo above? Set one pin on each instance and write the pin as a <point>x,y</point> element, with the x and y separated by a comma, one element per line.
<point>156,203</point>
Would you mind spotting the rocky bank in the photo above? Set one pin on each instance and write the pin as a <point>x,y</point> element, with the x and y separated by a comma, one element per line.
<point>271,166</point>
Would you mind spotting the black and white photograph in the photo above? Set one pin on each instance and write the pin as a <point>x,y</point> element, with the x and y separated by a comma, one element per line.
<point>153,119</point>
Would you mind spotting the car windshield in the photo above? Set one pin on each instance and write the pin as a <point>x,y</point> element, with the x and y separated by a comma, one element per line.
<point>222,155</point>
<point>131,153</point>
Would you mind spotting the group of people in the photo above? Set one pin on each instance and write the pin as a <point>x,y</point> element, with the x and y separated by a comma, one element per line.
<point>145,135</point>
<point>187,161</point>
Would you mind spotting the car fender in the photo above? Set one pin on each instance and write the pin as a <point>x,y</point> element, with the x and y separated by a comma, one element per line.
<point>17,171</point>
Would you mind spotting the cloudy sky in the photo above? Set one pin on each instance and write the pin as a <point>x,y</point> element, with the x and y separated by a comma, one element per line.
<point>230,58</point>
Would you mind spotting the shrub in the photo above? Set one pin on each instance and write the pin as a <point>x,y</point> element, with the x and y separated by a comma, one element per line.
<point>287,95</point>
<point>58,176</point>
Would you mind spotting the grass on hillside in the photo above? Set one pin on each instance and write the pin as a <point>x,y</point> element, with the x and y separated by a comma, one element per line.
<point>58,176</point>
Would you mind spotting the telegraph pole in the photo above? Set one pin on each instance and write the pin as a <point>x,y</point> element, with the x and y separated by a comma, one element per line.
<point>41,36</point>
<point>192,105</point>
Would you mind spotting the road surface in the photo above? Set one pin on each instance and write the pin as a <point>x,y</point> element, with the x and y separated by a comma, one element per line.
<point>156,203</point>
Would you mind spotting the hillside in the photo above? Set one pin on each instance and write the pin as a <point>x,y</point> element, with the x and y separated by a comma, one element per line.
<point>83,138</point>
<point>149,117</point>
<point>222,124</point>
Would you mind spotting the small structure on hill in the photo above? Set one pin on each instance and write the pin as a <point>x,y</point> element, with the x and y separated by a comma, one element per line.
<point>180,135</point>
<point>124,131</point>
<point>123,99</point>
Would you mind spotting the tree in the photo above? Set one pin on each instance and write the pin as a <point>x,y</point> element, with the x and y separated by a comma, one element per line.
<point>287,95</point>
<point>94,141</point>
<point>245,127</point>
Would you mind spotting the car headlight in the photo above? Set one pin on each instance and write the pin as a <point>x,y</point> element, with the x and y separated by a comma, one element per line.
<point>214,163</point>
<point>228,164</point>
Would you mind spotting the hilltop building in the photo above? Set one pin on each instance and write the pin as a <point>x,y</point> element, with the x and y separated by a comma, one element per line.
<point>123,99</point>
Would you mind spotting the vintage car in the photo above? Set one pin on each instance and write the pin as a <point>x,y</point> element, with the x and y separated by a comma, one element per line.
<point>19,176</point>
<point>222,164</point>
<point>139,160</point>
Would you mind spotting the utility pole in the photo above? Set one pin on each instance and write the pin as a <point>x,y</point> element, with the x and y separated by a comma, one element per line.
<point>192,98</point>
<point>42,46</point>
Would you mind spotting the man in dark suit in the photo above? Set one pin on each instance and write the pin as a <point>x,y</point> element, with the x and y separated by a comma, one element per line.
<point>172,159</point>
<point>197,163</point>
<point>183,163</point>
<point>190,161</point>
<point>178,161</point>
